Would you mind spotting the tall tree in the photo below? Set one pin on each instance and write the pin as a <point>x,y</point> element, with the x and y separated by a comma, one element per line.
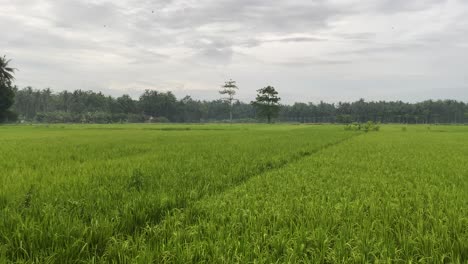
<point>229,89</point>
<point>158,104</point>
<point>7,93</point>
<point>88,106</point>
<point>126,104</point>
<point>267,103</point>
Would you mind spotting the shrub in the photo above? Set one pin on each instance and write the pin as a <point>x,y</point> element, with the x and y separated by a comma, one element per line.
<point>8,116</point>
<point>369,126</point>
<point>160,119</point>
<point>353,127</point>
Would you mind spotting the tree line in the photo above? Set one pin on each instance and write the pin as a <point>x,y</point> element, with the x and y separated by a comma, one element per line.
<point>94,107</point>
<point>44,105</point>
<point>426,112</point>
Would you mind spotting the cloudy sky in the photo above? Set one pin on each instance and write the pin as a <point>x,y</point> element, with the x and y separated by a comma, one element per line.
<point>310,50</point>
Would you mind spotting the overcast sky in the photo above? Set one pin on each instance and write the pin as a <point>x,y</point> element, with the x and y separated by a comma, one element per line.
<point>310,50</point>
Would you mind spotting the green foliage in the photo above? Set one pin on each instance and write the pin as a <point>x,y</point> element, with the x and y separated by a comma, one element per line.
<point>345,119</point>
<point>371,126</point>
<point>90,117</point>
<point>378,198</point>
<point>71,107</point>
<point>366,127</point>
<point>6,90</point>
<point>137,180</point>
<point>97,188</point>
<point>440,111</point>
<point>156,104</point>
<point>6,72</point>
<point>6,101</point>
<point>229,89</point>
<point>160,119</point>
<point>232,194</point>
<point>267,103</point>
<point>30,102</point>
<point>353,127</point>
<point>126,105</point>
<point>9,116</point>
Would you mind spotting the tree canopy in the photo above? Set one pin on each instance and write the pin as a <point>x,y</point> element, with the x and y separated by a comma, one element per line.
<point>267,103</point>
<point>6,90</point>
<point>93,107</point>
<point>229,89</point>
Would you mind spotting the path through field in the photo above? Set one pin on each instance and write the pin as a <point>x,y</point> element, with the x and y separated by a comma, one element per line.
<point>226,194</point>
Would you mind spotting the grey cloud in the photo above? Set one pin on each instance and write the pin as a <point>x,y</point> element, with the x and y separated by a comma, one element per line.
<point>205,41</point>
<point>305,62</point>
<point>77,14</point>
<point>149,57</point>
<point>254,42</point>
<point>384,49</point>
<point>259,15</point>
<point>397,6</point>
<point>215,55</point>
<point>213,50</point>
<point>298,39</point>
<point>365,36</point>
<point>171,23</point>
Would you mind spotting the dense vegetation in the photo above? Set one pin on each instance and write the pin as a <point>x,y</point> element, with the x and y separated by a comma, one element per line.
<point>69,192</point>
<point>399,196</point>
<point>267,103</point>
<point>152,106</point>
<point>6,90</point>
<point>238,193</point>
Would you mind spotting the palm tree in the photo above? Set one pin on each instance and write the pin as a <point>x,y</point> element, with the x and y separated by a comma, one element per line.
<point>6,73</point>
<point>7,93</point>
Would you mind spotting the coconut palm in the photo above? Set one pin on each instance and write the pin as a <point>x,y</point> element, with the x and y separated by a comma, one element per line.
<point>7,93</point>
<point>6,73</point>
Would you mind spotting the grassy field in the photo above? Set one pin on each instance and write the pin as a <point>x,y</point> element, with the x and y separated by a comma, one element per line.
<point>233,194</point>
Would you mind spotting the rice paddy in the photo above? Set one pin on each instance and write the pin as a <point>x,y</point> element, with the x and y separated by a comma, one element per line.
<point>233,194</point>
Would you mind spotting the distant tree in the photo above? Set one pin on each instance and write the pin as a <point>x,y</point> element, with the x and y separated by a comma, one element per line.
<point>158,104</point>
<point>94,107</point>
<point>229,89</point>
<point>189,110</point>
<point>7,93</point>
<point>267,103</point>
<point>126,104</point>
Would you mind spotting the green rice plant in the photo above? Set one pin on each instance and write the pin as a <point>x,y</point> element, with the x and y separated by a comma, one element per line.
<point>232,194</point>
<point>137,180</point>
<point>366,127</point>
<point>378,198</point>
<point>94,185</point>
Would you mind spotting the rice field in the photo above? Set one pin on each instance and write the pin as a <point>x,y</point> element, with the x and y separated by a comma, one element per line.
<point>233,194</point>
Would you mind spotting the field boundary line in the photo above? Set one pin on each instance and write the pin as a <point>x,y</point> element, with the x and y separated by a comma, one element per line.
<point>297,157</point>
